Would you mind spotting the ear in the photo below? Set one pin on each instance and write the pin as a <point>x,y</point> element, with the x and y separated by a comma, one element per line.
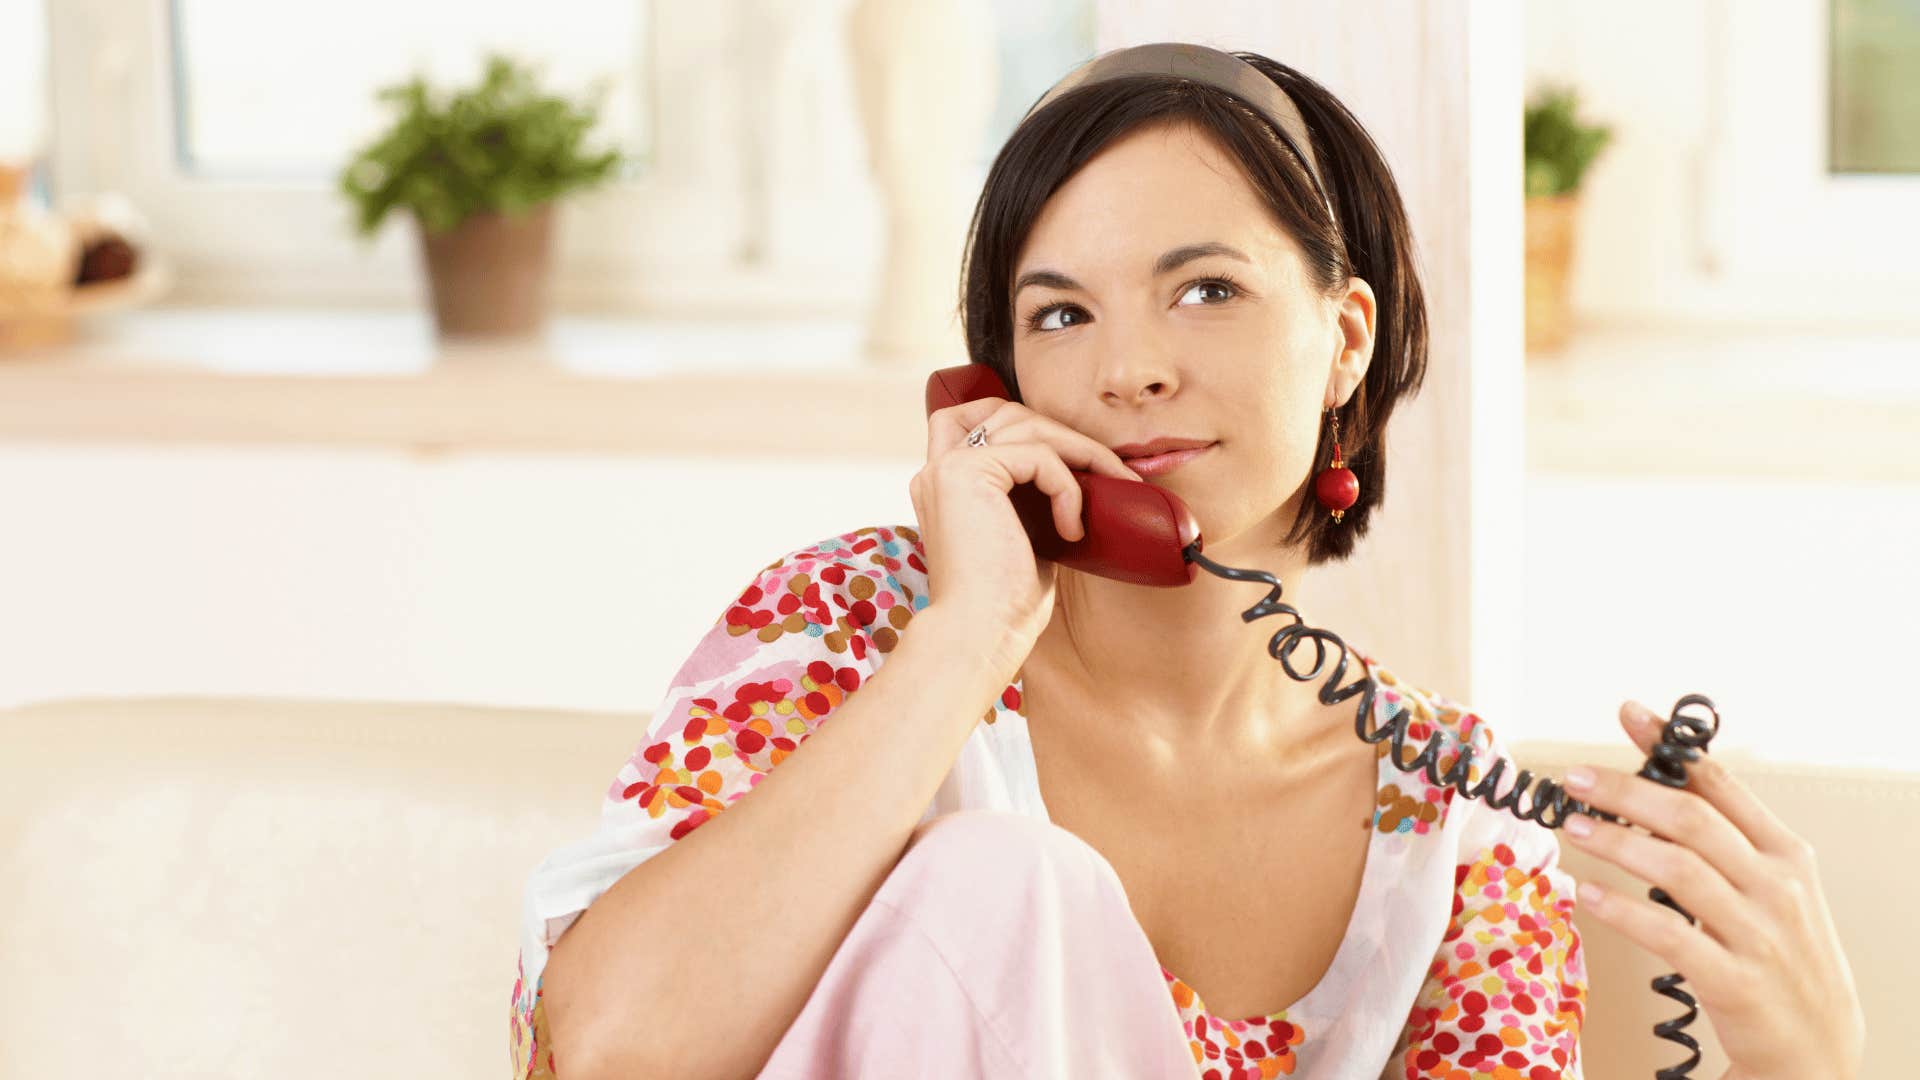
<point>1353,341</point>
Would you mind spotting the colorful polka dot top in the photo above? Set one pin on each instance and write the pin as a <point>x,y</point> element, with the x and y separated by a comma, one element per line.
<point>1460,961</point>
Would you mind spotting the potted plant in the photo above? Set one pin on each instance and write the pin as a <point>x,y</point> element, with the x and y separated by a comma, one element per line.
<point>480,172</point>
<point>1559,147</point>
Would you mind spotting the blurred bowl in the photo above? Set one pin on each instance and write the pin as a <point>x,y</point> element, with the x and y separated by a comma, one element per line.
<point>48,319</point>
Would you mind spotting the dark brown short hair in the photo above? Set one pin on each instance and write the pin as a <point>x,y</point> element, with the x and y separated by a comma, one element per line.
<point>1372,241</point>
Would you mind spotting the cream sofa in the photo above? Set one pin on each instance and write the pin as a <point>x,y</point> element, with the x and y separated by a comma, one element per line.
<point>270,888</point>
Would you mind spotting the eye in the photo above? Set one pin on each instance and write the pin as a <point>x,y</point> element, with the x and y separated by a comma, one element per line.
<point>1035,320</point>
<point>1231,286</point>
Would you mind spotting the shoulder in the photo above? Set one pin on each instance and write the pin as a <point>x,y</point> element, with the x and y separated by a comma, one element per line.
<point>1430,712</point>
<point>805,633</point>
<point>1414,803</point>
<point>852,592</point>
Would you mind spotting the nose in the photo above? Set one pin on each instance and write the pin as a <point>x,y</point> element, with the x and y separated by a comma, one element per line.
<point>1137,365</point>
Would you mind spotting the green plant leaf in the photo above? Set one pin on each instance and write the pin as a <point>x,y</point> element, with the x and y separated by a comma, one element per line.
<point>1559,146</point>
<point>503,145</point>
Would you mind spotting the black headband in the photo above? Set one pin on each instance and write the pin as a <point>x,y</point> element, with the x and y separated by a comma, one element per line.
<point>1220,70</point>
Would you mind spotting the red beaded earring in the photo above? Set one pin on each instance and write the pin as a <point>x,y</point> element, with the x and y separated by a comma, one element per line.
<point>1336,486</point>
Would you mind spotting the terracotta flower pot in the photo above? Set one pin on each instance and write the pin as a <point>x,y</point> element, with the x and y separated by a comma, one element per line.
<point>491,275</point>
<point>1550,226</point>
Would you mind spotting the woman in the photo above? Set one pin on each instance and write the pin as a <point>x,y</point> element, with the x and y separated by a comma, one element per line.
<point>1052,808</point>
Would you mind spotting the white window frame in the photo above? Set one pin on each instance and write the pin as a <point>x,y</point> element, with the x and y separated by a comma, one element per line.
<point>755,201</point>
<point>1795,236</point>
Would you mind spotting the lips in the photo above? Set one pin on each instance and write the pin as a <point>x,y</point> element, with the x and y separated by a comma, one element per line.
<point>1159,464</point>
<point>1129,451</point>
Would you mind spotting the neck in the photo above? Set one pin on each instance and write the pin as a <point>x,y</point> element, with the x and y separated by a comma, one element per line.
<point>1176,674</point>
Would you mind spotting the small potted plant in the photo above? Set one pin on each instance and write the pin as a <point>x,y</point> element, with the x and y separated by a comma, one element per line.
<point>480,172</point>
<point>1558,147</point>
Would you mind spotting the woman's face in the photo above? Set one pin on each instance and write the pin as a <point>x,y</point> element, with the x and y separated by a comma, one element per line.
<point>1237,348</point>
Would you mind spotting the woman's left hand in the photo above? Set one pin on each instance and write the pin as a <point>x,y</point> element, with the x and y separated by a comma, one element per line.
<point>1765,960</point>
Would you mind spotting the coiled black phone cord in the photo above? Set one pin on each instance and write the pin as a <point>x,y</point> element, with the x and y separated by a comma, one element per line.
<point>1682,740</point>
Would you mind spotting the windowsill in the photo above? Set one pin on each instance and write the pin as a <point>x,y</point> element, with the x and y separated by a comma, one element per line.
<point>1730,402</point>
<point>741,388</point>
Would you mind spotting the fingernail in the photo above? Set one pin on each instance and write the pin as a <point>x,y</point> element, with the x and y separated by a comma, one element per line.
<point>1579,825</point>
<point>1589,893</point>
<point>1579,778</point>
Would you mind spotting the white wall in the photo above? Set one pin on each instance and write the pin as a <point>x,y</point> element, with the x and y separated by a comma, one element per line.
<point>559,580</point>
<point>1789,603</point>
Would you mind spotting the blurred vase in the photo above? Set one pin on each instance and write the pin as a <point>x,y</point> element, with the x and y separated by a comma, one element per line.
<point>925,74</point>
<point>38,259</point>
<point>491,275</point>
<point>1550,233</point>
<point>15,178</point>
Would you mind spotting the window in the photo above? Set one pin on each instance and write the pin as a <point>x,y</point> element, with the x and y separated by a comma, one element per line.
<point>1874,87</point>
<point>243,70</point>
<point>1788,232</point>
<point>226,127</point>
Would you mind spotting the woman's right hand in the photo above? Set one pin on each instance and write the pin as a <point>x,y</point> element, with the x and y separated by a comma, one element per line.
<point>979,560</point>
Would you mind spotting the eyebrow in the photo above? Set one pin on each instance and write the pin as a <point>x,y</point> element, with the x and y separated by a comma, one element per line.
<point>1166,263</point>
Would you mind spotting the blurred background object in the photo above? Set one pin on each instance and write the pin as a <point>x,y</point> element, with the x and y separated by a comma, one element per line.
<point>39,253</point>
<point>1873,60</point>
<point>56,266</point>
<point>87,254</point>
<point>1559,147</point>
<point>479,171</point>
<point>925,78</point>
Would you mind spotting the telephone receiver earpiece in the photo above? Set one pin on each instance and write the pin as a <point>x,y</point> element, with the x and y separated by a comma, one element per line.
<point>1136,532</point>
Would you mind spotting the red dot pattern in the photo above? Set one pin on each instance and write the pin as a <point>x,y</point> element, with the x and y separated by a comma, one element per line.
<point>1506,995</point>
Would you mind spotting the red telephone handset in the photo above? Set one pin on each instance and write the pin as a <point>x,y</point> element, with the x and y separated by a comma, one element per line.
<point>1136,532</point>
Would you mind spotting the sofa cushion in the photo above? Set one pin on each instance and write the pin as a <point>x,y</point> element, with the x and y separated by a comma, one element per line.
<point>278,888</point>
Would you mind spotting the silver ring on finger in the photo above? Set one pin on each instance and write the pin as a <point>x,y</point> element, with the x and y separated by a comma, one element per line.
<point>978,436</point>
